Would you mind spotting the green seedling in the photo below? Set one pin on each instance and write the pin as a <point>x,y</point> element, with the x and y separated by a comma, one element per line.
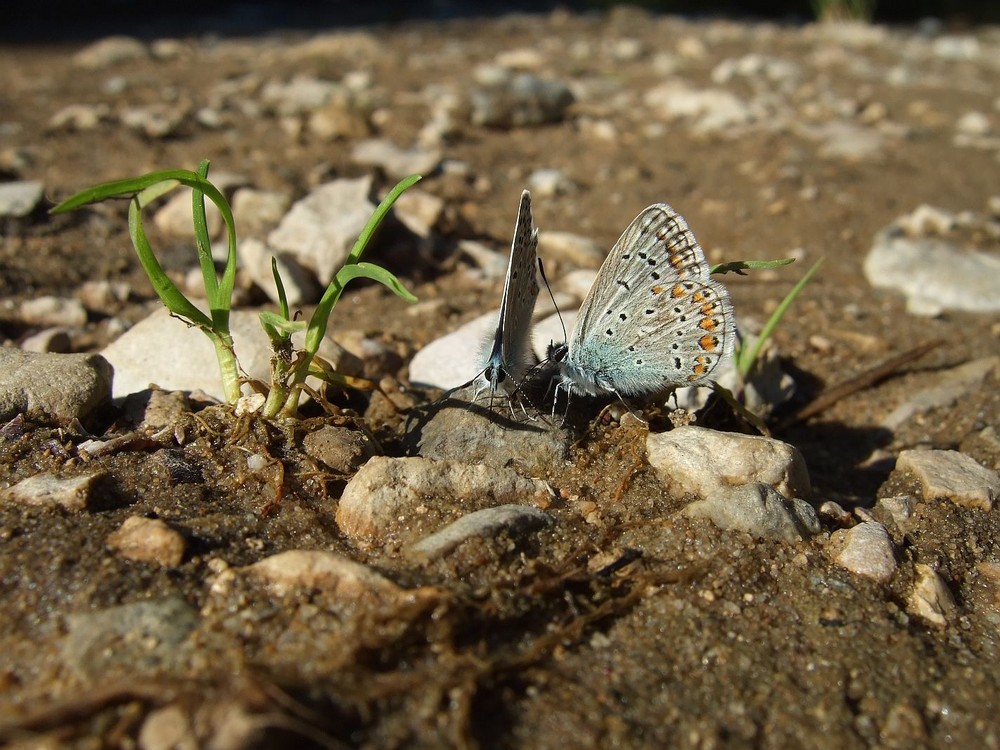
<point>746,356</point>
<point>288,374</point>
<point>289,369</point>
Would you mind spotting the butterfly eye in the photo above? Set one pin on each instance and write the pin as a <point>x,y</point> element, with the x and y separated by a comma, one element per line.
<point>558,352</point>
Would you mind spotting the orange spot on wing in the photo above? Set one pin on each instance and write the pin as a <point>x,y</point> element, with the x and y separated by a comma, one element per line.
<point>707,324</point>
<point>708,343</point>
<point>677,292</point>
<point>657,289</point>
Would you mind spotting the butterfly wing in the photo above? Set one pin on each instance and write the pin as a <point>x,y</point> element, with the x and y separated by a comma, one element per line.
<point>507,359</point>
<point>653,319</point>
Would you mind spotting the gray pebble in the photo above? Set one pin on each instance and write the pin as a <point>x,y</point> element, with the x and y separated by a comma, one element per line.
<point>340,449</point>
<point>493,435</point>
<point>759,510</point>
<point>144,637</point>
<point>402,499</point>
<point>53,387</point>
<point>518,101</point>
<point>488,522</point>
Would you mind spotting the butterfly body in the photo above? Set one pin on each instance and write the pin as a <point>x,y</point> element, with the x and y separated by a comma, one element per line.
<point>653,320</point>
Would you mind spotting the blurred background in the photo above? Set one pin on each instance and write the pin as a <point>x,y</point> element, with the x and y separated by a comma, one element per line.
<point>71,20</point>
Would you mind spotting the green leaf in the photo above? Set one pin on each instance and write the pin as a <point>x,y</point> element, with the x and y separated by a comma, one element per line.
<point>165,289</point>
<point>376,218</point>
<point>377,273</point>
<point>739,266</point>
<point>203,242</point>
<point>282,297</point>
<point>281,325</point>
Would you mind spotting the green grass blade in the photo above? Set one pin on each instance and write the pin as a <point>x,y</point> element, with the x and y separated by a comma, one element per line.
<point>745,361</point>
<point>282,327</point>
<point>376,218</point>
<point>220,300</point>
<point>127,188</point>
<point>165,289</point>
<point>739,266</point>
<point>382,276</point>
<point>202,240</point>
<point>280,286</point>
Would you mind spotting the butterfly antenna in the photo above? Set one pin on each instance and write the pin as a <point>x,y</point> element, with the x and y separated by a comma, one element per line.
<point>548,288</point>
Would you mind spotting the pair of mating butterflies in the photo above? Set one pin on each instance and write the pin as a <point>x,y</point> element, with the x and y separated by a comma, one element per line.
<point>652,321</point>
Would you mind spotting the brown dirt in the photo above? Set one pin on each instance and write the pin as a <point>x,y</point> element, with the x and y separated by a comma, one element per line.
<point>709,638</point>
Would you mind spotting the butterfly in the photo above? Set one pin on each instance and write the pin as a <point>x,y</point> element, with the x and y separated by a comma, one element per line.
<point>508,357</point>
<point>653,319</point>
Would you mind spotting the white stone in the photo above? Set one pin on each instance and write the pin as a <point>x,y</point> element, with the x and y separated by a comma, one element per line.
<point>396,161</point>
<point>71,494</point>
<point>698,461</point>
<point>163,350</point>
<point>419,211</point>
<point>80,117</point>
<point>455,358</point>
<point>20,198</point>
<point>176,219</point>
<point>112,50</point>
<point>53,311</point>
<point>865,550</point>
<point>952,476</point>
<point>930,599</point>
<point>301,287</point>
<point>148,540</point>
<point>573,249</point>
<point>258,212</point>
<point>320,229</point>
<point>933,274</point>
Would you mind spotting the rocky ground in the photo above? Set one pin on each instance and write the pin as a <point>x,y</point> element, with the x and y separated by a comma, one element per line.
<point>391,570</point>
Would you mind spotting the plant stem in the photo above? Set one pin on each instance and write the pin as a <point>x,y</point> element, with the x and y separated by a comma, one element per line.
<point>227,364</point>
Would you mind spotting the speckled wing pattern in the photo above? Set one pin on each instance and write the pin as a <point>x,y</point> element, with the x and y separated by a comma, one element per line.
<point>509,355</point>
<point>653,319</point>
